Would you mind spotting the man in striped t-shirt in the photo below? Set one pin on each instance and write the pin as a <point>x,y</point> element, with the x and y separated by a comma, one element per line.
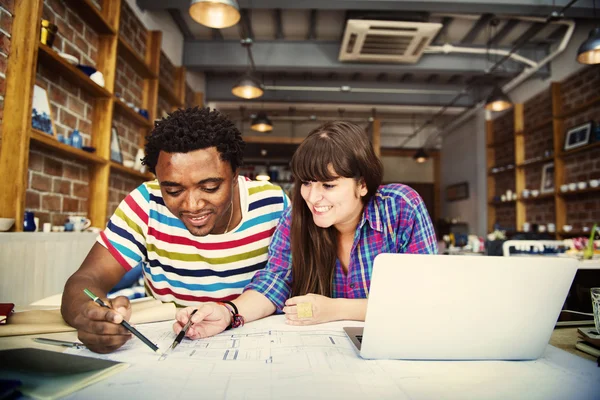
<point>199,230</point>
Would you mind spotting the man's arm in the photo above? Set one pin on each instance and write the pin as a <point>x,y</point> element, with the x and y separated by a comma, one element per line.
<point>98,328</point>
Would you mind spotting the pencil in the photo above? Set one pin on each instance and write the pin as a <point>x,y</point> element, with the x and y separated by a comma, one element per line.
<point>125,324</point>
<point>181,334</point>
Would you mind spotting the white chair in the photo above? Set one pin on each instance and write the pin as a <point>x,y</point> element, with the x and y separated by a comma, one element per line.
<point>529,245</point>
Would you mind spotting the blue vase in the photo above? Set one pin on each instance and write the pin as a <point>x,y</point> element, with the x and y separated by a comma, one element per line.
<point>76,139</point>
<point>29,222</point>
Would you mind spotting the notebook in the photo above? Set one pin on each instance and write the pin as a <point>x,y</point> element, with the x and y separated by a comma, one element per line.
<point>437,307</point>
<point>48,375</point>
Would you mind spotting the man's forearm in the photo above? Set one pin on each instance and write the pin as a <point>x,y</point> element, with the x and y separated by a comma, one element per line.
<point>74,298</point>
<point>351,309</point>
<point>253,305</point>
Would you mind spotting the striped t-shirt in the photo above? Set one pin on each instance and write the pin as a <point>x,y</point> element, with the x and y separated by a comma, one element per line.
<point>188,269</point>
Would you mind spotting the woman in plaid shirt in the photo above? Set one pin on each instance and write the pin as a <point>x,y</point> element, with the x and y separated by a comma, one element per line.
<point>321,255</point>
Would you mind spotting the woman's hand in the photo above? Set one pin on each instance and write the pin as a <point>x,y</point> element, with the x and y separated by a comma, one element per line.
<point>322,307</point>
<point>209,320</point>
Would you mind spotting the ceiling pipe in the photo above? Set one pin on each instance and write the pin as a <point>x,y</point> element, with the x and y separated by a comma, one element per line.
<point>512,84</point>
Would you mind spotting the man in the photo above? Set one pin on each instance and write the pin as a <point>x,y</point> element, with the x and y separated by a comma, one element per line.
<point>200,230</point>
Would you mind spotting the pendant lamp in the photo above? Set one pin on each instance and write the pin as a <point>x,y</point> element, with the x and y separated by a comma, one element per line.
<point>216,14</point>
<point>261,123</point>
<point>247,88</point>
<point>421,156</point>
<point>589,51</point>
<point>498,100</point>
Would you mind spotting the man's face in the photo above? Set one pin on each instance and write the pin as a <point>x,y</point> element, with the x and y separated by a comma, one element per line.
<point>198,188</point>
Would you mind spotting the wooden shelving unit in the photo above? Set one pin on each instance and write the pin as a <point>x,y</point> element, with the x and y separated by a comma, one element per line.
<point>169,94</point>
<point>130,171</point>
<point>92,16</point>
<point>49,142</point>
<point>566,154</point>
<point>533,199</point>
<point>137,62</point>
<point>543,160</point>
<point>56,63</point>
<point>579,192</point>
<point>127,111</point>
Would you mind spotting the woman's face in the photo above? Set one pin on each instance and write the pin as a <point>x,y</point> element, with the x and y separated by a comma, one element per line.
<point>337,202</point>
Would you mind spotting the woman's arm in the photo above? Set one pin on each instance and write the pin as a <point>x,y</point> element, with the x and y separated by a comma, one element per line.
<point>323,309</point>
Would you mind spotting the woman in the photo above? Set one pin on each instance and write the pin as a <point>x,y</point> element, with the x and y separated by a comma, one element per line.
<point>321,255</point>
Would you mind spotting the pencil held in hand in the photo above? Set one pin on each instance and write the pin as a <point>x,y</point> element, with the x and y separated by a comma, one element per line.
<point>125,324</point>
<point>181,334</point>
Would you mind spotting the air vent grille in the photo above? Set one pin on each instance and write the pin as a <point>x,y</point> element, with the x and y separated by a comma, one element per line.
<point>386,41</point>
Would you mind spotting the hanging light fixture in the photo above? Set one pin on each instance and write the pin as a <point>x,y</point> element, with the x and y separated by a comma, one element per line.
<point>261,123</point>
<point>421,156</point>
<point>216,14</point>
<point>498,100</point>
<point>263,175</point>
<point>247,87</point>
<point>589,51</point>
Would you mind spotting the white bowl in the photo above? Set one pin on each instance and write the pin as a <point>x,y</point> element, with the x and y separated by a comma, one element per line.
<point>129,163</point>
<point>6,224</point>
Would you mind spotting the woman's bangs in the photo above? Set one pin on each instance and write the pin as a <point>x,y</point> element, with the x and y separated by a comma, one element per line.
<point>313,157</point>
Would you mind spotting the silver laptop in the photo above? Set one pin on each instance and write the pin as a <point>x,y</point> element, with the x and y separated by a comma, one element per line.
<point>437,307</point>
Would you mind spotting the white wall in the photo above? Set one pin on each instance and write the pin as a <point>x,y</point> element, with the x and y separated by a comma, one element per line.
<point>406,170</point>
<point>463,155</point>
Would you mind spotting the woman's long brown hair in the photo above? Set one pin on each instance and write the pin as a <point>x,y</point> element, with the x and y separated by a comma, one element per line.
<point>346,147</point>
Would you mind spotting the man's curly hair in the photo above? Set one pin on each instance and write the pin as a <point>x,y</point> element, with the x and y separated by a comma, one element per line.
<point>193,129</point>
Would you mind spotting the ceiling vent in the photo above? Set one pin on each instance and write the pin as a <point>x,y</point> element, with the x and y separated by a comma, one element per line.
<point>386,41</point>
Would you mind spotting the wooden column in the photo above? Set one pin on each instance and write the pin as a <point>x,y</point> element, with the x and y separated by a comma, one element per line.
<point>151,85</point>
<point>180,84</point>
<point>437,193</point>
<point>376,139</point>
<point>521,212</point>
<point>20,78</point>
<point>199,99</point>
<point>560,207</point>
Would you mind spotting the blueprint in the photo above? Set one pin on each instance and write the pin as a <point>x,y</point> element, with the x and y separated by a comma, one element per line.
<point>286,363</point>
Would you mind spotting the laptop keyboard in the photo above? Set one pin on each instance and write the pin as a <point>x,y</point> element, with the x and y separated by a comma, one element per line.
<point>359,338</point>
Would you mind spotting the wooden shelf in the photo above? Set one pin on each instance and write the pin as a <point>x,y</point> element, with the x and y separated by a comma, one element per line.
<point>575,234</point>
<point>582,191</point>
<point>130,171</point>
<point>504,171</point>
<point>531,199</point>
<point>131,114</point>
<point>502,203</point>
<point>92,16</point>
<point>566,154</point>
<point>583,107</point>
<point>137,62</point>
<point>536,162</point>
<point>49,142</point>
<point>500,142</point>
<point>53,61</point>
<point>169,95</point>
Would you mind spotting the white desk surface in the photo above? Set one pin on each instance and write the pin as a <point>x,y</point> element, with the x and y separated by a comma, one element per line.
<point>300,363</point>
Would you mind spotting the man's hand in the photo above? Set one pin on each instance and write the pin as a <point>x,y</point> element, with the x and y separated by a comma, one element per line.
<point>99,327</point>
<point>209,320</point>
<point>323,310</point>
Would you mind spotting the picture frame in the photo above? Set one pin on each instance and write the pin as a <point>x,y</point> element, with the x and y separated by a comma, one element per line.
<point>547,184</point>
<point>457,191</point>
<point>578,136</point>
<point>115,146</point>
<point>41,113</point>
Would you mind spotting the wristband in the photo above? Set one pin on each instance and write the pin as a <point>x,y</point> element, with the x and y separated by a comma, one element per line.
<point>236,319</point>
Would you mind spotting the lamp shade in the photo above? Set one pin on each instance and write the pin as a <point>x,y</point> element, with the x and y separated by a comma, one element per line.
<point>215,13</point>
<point>262,123</point>
<point>421,156</point>
<point>498,100</point>
<point>247,88</point>
<point>589,51</point>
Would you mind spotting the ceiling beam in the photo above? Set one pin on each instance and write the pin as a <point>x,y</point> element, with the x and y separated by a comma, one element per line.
<point>502,33</point>
<point>530,33</point>
<point>480,25</point>
<point>279,35</point>
<point>580,9</point>
<point>446,21</point>
<point>218,88</point>
<point>312,25</point>
<point>322,56</point>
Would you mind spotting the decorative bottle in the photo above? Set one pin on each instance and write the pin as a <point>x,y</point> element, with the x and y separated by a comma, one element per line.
<point>76,139</point>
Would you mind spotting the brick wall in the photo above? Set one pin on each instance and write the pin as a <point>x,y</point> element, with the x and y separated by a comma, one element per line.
<point>129,136</point>
<point>163,107</point>
<point>504,154</point>
<point>132,30</point>
<point>167,71</point>
<point>120,186</point>
<point>56,187</point>
<point>583,210</point>
<point>504,126</point>
<point>505,181</point>
<point>540,212</point>
<point>537,110</point>
<point>6,11</point>
<point>128,84</point>
<point>580,87</point>
<point>506,217</point>
<point>539,141</point>
<point>190,97</point>
<point>533,177</point>
<point>74,36</point>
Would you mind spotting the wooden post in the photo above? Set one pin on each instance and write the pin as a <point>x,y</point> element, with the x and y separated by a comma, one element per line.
<point>16,130</point>
<point>199,99</point>
<point>521,212</point>
<point>377,137</point>
<point>560,207</point>
<point>491,182</point>
<point>180,84</point>
<point>151,85</point>
<point>437,193</point>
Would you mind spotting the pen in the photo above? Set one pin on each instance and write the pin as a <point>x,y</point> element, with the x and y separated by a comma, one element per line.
<point>125,323</point>
<point>64,343</point>
<point>181,334</point>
